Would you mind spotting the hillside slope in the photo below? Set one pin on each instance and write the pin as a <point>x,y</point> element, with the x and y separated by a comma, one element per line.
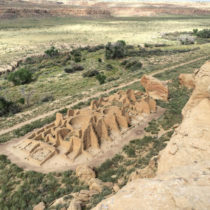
<point>182,180</point>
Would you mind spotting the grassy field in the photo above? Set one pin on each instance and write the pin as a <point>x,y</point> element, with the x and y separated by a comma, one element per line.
<point>22,37</point>
<point>52,89</point>
<point>62,89</point>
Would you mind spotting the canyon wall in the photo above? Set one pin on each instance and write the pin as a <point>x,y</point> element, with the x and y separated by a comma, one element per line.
<point>11,12</point>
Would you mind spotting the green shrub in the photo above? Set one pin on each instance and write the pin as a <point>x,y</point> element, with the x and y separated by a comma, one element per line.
<point>109,67</point>
<point>177,99</point>
<point>132,64</point>
<point>47,98</point>
<point>112,79</point>
<point>7,107</point>
<point>99,197</point>
<point>77,56</point>
<point>147,45</point>
<point>153,127</point>
<point>52,52</point>
<point>101,78</point>
<point>74,68</point>
<point>20,77</point>
<point>195,31</point>
<point>129,150</point>
<point>115,50</point>
<point>90,73</point>
<point>21,100</point>
<point>106,165</point>
<point>205,33</point>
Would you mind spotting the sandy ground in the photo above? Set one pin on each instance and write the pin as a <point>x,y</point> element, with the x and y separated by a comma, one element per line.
<point>96,157</point>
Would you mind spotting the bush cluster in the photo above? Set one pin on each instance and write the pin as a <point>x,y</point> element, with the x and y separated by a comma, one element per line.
<point>20,77</point>
<point>52,52</point>
<point>23,189</point>
<point>205,33</point>
<point>8,107</point>
<point>74,68</point>
<point>77,55</point>
<point>90,73</point>
<point>132,64</point>
<point>115,50</point>
<point>101,78</point>
<point>109,67</point>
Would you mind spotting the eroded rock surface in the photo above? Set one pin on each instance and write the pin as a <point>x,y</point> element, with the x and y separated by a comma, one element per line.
<point>155,88</point>
<point>40,206</point>
<point>187,187</point>
<point>182,180</point>
<point>187,80</point>
<point>85,173</point>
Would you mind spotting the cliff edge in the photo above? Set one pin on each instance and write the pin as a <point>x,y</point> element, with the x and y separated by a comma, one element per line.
<point>183,174</point>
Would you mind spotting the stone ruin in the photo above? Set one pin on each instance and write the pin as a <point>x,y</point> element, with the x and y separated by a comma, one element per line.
<point>87,128</point>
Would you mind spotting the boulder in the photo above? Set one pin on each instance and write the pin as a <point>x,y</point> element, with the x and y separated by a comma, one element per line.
<point>147,172</point>
<point>155,88</point>
<point>40,206</point>
<point>187,80</point>
<point>116,188</point>
<point>85,173</point>
<point>75,205</point>
<point>96,185</point>
<point>121,181</point>
<point>108,184</point>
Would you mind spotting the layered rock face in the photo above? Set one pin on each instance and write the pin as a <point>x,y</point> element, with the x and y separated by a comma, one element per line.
<point>84,129</point>
<point>183,175</point>
<point>191,140</point>
<point>155,88</point>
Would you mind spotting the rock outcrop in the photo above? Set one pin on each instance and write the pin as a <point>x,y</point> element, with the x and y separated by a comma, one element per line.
<point>183,175</point>
<point>75,205</point>
<point>187,80</point>
<point>85,173</point>
<point>147,172</point>
<point>185,188</point>
<point>191,140</point>
<point>155,88</point>
<point>40,206</point>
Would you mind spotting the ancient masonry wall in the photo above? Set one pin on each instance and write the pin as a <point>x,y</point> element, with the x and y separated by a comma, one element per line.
<point>80,130</point>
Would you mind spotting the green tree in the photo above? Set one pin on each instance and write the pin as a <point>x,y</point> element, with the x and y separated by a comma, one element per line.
<point>101,78</point>
<point>7,107</point>
<point>20,77</point>
<point>116,50</point>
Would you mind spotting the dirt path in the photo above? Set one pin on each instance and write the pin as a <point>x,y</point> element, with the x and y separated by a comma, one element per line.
<point>95,95</point>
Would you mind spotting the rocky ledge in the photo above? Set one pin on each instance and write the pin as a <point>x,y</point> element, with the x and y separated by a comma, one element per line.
<point>183,175</point>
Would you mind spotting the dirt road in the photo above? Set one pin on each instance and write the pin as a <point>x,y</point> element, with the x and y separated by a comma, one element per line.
<point>4,131</point>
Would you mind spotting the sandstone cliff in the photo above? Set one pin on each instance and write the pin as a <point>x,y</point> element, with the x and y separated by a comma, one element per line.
<point>183,175</point>
<point>12,12</point>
